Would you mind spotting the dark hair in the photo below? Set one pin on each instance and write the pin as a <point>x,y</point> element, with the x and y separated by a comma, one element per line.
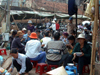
<point>65,34</point>
<point>14,32</point>
<point>73,32</point>
<point>38,31</point>
<point>46,34</point>
<point>71,37</point>
<point>13,50</point>
<point>56,35</point>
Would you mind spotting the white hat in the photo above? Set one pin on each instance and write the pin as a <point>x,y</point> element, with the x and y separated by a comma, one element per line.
<point>58,71</point>
<point>29,21</point>
<point>53,22</point>
<point>81,36</point>
<point>24,29</point>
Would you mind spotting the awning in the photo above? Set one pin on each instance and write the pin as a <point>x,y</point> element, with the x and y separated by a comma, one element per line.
<point>45,14</point>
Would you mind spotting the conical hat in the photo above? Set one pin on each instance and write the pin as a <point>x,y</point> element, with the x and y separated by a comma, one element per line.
<point>58,71</point>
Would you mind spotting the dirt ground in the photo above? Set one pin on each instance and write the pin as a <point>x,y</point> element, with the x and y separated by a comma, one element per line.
<point>32,72</point>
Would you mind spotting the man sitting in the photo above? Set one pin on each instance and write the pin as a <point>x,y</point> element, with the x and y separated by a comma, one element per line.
<point>33,49</point>
<point>46,39</point>
<point>54,51</point>
<point>21,62</point>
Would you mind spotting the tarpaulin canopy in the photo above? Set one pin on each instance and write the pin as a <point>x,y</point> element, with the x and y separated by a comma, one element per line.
<point>44,14</point>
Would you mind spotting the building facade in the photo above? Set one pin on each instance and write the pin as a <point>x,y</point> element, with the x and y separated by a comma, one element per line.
<point>62,1</point>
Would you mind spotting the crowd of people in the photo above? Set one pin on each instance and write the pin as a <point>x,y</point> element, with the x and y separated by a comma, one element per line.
<point>50,46</point>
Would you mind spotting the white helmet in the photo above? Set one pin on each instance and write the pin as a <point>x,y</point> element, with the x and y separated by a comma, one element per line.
<point>29,21</point>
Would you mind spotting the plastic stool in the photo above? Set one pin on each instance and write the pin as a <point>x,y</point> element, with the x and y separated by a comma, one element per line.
<point>41,68</point>
<point>34,63</point>
<point>3,52</point>
<point>51,67</point>
<point>70,73</point>
<point>86,69</point>
<point>71,69</point>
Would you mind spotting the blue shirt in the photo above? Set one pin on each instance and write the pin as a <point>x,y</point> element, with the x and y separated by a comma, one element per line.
<point>25,36</point>
<point>66,41</point>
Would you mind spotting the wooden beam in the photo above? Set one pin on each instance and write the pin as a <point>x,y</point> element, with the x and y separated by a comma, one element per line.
<point>92,72</point>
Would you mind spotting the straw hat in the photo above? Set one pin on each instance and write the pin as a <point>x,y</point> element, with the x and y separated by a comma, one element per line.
<point>81,36</point>
<point>24,29</point>
<point>33,35</point>
<point>19,33</point>
<point>29,21</point>
<point>58,71</point>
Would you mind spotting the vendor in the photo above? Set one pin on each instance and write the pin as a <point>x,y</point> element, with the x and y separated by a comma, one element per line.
<point>85,57</point>
<point>20,62</point>
<point>30,26</point>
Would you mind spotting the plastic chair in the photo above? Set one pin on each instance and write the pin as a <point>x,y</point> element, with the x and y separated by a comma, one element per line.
<point>41,68</point>
<point>34,63</point>
<point>71,69</point>
<point>70,73</point>
<point>3,52</point>
<point>86,69</point>
<point>51,67</point>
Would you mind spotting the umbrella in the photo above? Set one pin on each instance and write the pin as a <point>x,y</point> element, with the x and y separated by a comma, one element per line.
<point>85,22</point>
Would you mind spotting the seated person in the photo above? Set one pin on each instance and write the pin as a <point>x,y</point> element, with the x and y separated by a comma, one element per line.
<point>20,62</point>
<point>14,32</point>
<point>46,39</point>
<point>54,51</point>
<point>71,44</point>
<point>26,36</point>
<point>33,49</point>
<point>83,47</point>
<point>16,43</point>
<point>38,32</point>
<point>65,40</point>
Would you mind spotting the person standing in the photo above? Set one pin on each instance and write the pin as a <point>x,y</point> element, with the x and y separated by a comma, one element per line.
<point>47,24</point>
<point>30,26</point>
<point>70,26</point>
<point>57,25</point>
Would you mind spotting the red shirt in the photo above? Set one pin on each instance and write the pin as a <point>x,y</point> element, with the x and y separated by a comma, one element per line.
<point>57,26</point>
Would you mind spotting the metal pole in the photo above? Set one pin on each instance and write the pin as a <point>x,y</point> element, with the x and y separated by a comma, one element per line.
<point>76,22</point>
<point>8,16</point>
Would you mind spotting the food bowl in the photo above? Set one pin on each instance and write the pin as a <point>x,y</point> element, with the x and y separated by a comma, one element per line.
<point>70,64</point>
<point>78,53</point>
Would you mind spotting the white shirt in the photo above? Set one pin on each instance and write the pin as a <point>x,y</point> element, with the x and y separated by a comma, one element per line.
<point>45,41</point>
<point>47,25</point>
<point>33,47</point>
<point>53,26</point>
<point>22,61</point>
